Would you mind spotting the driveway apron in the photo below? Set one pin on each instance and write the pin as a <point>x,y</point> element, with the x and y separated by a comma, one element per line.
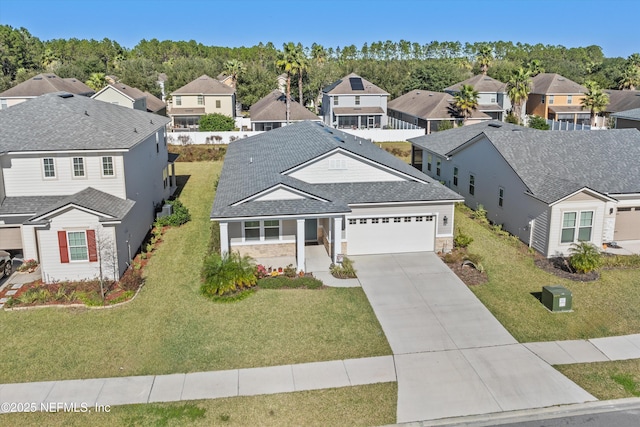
<point>453,358</point>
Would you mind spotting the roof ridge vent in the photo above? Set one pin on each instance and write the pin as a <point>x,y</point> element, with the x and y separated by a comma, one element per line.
<point>337,138</point>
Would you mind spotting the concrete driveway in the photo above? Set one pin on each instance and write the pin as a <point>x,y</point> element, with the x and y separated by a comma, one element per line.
<point>453,358</point>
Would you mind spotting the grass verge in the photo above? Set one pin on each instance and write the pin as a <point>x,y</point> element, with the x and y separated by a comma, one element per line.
<point>171,328</point>
<point>606,380</point>
<point>349,406</point>
<point>400,149</point>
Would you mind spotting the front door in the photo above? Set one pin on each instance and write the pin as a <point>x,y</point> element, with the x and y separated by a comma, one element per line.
<point>311,231</point>
<point>371,122</point>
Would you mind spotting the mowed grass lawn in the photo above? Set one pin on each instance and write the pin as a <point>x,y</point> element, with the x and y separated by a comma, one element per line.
<point>170,328</point>
<point>606,307</point>
<point>400,149</point>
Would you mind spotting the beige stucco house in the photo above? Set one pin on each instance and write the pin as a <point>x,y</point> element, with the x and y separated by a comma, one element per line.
<point>204,95</point>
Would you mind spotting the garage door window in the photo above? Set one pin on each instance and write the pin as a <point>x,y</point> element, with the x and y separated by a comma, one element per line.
<point>385,220</point>
<point>352,221</point>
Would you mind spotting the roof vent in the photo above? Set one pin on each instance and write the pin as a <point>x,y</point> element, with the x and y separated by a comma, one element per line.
<point>65,95</point>
<point>151,121</point>
<point>135,130</point>
<point>417,92</point>
<point>560,79</point>
<point>495,125</point>
<point>86,113</point>
<point>327,130</point>
<point>337,138</point>
<point>37,78</point>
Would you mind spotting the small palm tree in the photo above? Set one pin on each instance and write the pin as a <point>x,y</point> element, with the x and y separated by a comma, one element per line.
<point>518,88</point>
<point>585,257</point>
<point>595,100</point>
<point>484,58</point>
<point>287,62</point>
<point>234,69</point>
<point>96,81</point>
<point>535,67</point>
<point>466,101</point>
<point>630,78</point>
<point>227,273</point>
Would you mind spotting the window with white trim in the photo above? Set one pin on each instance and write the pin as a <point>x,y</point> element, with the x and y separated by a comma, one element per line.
<point>178,100</point>
<point>49,167</point>
<point>576,226</point>
<point>352,222</point>
<point>363,220</point>
<point>200,99</point>
<point>429,158</point>
<point>569,99</point>
<point>396,219</point>
<point>438,164</point>
<point>375,220</point>
<point>418,219</point>
<point>407,219</point>
<point>107,166</point>
<point>357,100</point>
<point>78,248</point>
<point>272,229</point>
<point>542,99</point>
<point>252,230</point>
<point>337,164</point>
<point>218,105</point>
<point>551,99</point>
<point>336,101</point>
<point>78,167</point>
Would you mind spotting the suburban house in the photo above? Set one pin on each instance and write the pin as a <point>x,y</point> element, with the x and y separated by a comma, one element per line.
<point>549,188</point>
<point>492,95</point>
<point>557,98</point>
<point>155,104</point>
<point>354,103</point>
<point>130,97</point>
<point>80,182</point>
<point>627,119</point>
<point>619,101</point>
<point>307,183</point>
<point>204,95</point>
<point>39,85</point>
<point>428,110</point>
<point>270,112</point>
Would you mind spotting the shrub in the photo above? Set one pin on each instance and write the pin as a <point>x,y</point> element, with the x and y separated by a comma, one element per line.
<point>226,274</point>
<point>214,240</point>
<point>179,216</point>
<point>28,265</point>
<point>216,122</point>
<point>261,271</point>
<point>289,271</point>
<point>131,280</point>
<point>511,118</point>
<point>480,214</point>
<point>344,271</point>
<point>585,257</point>
<point>280,282</point>
<point>461,240</point>
<point>537,122</point>
<point>453,257</point>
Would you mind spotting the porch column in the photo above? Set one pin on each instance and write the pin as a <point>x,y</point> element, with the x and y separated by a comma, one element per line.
<point>224,237</point>
<point>300,245</point>
<point>336,240</point>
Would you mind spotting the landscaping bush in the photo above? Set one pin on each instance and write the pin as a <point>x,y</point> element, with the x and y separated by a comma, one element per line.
<point>453,257</point>
<point>216,122</point>
<point>280,282</point>
<point>480,214</point>
<point>199,153</point>
<point>28,265</point>
<point>344,271</point>
<point>461,240</point>
<point>585,257</point>
<point>537,122</point>
<point>226,274</point>
<point>290,271</point>
<point>214,240</point>
<point>179,216</point>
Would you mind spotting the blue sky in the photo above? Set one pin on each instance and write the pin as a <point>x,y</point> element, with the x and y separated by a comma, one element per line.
<point>610,24</point>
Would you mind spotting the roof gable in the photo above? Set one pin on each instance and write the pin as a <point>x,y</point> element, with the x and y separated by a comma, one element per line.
<point>551,83</point>
<point>131,93</point>
<point>353,84</point>
<point>204,85</point>
<point>273,108</point>
<point>95,202</point>
<point>47,83</point>
<point>481,83</point>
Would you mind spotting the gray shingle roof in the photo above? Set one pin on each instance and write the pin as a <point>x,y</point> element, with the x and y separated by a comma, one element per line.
<point>131,92</point>
<point>204,85</point>
<point>54,123</point>
<point>112,207</point>
<point>154,104</point>
<point>629,114</point>
<point>429,105</point>
<point>551,83</point>
<point>622,100</point>
<point>446,141</point>
<point>554,164</point>
<point>47,83</point>
<point>273,108</point>
<point>481,83</point>
<point>344,87</point>
<point>26,205</point>
<point>257,163</point>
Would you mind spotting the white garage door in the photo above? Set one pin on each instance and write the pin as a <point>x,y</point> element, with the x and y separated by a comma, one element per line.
<point>386,235</point>
<point>628,224</point>
<point>10,238</point>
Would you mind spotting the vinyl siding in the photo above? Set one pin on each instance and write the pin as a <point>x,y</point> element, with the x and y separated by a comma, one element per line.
<point>556,248</point>
<point>279,194</point>
<point>356,171</point>
<point>114,97</point>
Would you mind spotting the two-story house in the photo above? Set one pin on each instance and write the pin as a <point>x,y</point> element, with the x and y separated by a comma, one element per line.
<point>555,97</point>
<point>270,112</point>
<point>492,95</point>
<point>204,95</point>
<point>131,97</point>
<point>354,103</point>
<point>39,85</point>
<point>80,182</point>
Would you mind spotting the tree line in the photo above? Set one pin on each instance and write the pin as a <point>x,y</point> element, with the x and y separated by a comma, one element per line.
<point>396,67</point>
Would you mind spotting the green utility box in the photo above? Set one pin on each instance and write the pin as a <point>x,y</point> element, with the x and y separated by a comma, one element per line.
<point>556,298</point>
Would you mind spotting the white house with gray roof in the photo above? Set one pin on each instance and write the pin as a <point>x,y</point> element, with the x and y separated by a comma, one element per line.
<point>307,183</point>
<point>80,181</point>
<point>551,189</point>
<point>354,103</point>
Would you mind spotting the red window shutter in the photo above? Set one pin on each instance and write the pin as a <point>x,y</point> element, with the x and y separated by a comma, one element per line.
<point>91,245</point>
<point>62,245</point>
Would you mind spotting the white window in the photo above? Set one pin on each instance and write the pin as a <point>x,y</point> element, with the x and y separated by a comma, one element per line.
<point>252,230</point>
<point>200,99</point>
<point>262,230</point>
<point>337,163</point>
<point>107,166</point>
<point>3,104</point>
<point>357,100</point>
<point>363,221</point>
<point>335,100</point>
<point>178,100</point>
<point>78,167</point>
<point>500,196</point>
<point>397,219</point>
<point>493,100</point>
<point>352,222</point>
<point>418,219</point>
<point>49,167</point>
<point>78,249</point>
<point>375,220</point>
<point>272,229</point>
<point>551,99</point>
<point>572,227</point>
<point>407,219</point>
<point>569,99</point>
<point>218,103</point>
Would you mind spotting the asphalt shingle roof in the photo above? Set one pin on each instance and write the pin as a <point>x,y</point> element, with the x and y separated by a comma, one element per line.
<point>204,85</point>
<point>629,114</point>
<point>273,108</point>
<point>481,83</point>
<point>53,122</point>
<point>429,105</point>
<point>257,163</point>
<point>622,100</point>
<point>446,141</point>
<point>26,205</point>
<point>131,92</point>
<point>110,206</point>
<point>47,83</point>
<point>344,87</point>
<point>551,83</point>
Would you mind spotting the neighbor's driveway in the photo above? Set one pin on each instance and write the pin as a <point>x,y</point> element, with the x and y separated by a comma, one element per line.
<point>452,357</point>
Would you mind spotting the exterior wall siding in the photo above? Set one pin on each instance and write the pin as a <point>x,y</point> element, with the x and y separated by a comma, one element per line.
<point>556,248</point>
<point>114,97</point>
<point>356,171</point>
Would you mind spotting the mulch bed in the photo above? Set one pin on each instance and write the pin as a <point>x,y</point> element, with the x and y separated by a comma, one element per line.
<point>559,267</point>
<point>469,275</point>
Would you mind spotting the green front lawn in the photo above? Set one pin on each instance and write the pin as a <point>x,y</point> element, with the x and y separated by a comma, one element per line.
<point>606,307</point>
<point>170,328</point>
<point>349,406</point>
<point>400,149</point>
<point>606,380</point>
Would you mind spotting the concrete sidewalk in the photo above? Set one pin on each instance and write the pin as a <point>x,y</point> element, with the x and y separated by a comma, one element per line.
<point>202,385</point>
<point>587,351</point>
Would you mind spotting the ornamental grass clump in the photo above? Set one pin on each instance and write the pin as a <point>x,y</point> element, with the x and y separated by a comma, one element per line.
<point>227,274</point>
<point>585,257</point>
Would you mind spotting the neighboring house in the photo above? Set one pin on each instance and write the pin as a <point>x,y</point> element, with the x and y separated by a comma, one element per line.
<point>557,98</point>
<point>354,103</point>
<point>121,94</point>
<point>428,110</point>
<point>492,95</point>
<point>551,189</point>
<point>155,104</point>
<point>39,85</point>
<point>204,95</point>
<point>307,183</point>
<point>270,112</point>
<point>619,101</point>
<point>627,119</point>
<point>80,181</point>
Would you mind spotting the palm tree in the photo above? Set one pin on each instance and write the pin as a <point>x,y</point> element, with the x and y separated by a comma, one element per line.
<point>234,69</point>
<point>287,62</point>
<point>484,58</point>
<point>535,67</point>
<point>518,88</point>
<point>595,99</point>
<point>318,53</point>
<point>630,78</point>
<point>300,67</point>
<point>96,81</point>
<point>466,101</point>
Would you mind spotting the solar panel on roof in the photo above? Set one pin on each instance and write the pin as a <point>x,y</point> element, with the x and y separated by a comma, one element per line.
<point>356,83</point>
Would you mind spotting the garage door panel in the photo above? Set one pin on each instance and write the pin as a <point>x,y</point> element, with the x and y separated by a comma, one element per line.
<point>627,224</point>
<point>10,238</point>
<point>390,235</point>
